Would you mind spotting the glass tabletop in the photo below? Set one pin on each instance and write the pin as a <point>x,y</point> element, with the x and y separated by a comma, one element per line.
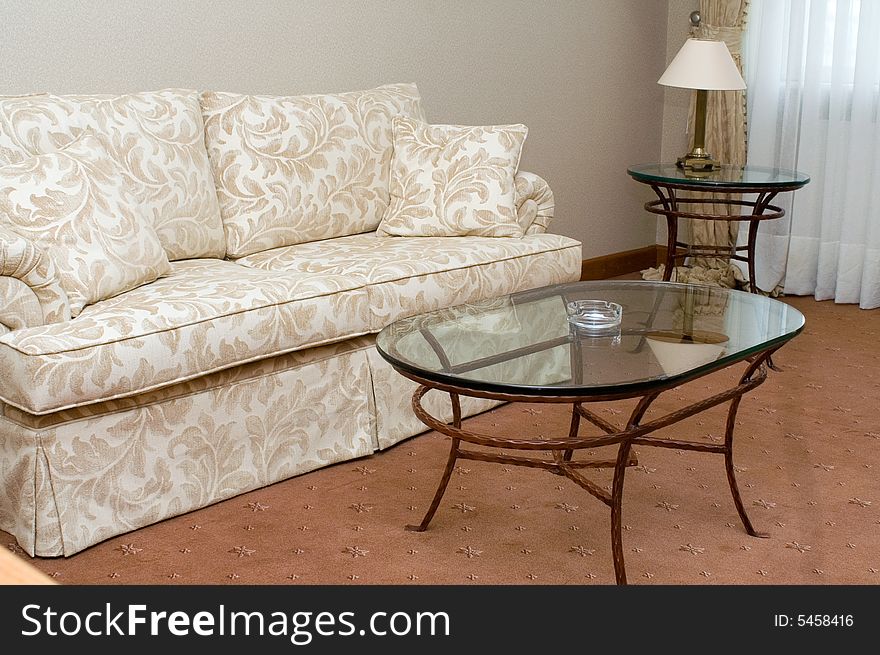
<point>724,176</point>
<point>525,343</point>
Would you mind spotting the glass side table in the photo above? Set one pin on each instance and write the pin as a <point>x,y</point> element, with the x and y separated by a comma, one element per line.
<point>668,179</point>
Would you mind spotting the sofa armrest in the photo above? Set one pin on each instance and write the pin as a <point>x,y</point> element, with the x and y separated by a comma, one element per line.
<point>30,291</point>
<point>534,202</point>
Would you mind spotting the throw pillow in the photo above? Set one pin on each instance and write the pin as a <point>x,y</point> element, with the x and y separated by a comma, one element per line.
<point>76,205</point>
<point>453,180</point>
<point>293,169</point>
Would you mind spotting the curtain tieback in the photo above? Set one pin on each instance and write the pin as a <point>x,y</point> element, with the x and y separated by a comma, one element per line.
<point>732,36</point>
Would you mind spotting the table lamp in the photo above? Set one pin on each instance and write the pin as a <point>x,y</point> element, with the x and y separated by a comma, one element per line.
<point>705,66</point>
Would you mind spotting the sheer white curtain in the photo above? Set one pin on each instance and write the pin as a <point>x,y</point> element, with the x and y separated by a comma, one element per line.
<point>812,69</point>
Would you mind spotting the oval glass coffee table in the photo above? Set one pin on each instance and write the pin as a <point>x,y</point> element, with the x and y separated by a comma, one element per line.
<point>524,348</point>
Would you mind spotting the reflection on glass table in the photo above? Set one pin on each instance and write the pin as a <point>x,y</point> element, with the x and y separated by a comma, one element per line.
<point>526,343</point>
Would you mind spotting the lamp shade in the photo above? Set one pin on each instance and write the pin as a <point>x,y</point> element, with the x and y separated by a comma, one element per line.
<point>703,65</point>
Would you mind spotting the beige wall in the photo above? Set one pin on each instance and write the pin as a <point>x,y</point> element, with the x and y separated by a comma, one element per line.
<point>580,73</point>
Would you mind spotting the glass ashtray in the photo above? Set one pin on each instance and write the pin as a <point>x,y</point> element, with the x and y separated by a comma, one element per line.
<point>594,316</point>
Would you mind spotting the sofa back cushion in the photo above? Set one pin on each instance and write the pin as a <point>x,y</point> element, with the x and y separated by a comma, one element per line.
<point>293,169</point>
<point>157,138</point>
<point>76,205</point>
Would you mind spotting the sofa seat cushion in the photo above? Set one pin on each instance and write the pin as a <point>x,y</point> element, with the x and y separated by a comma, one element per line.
<point>410,275</point>
<point>205,316</point>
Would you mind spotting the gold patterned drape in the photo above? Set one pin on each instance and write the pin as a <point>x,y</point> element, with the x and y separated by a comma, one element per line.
<point>722,20</point>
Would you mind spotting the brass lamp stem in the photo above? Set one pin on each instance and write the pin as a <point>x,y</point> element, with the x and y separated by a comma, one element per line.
<point>698,159</point>
<point>700,124</point>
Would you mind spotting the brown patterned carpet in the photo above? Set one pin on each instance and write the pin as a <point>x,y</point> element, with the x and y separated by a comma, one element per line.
<point>808,456</point>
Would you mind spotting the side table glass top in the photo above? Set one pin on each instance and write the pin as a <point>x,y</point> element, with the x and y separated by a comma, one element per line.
<point>726,176</point>
<point>525,343</point>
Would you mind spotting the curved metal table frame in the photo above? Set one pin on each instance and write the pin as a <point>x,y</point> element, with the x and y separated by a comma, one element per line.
<point>668,205</point>
<point>562,463</point>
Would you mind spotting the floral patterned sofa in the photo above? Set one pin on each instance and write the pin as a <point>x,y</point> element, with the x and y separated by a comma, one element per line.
<point>251,359</point>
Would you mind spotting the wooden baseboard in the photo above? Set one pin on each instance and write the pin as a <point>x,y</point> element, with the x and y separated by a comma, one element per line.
<point>621,263</point>
<point>661,255</point>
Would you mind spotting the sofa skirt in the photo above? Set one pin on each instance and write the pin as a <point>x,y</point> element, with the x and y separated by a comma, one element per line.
<point>77,477</point>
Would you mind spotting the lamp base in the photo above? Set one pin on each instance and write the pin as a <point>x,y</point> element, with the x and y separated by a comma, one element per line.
<point>700,163</point>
